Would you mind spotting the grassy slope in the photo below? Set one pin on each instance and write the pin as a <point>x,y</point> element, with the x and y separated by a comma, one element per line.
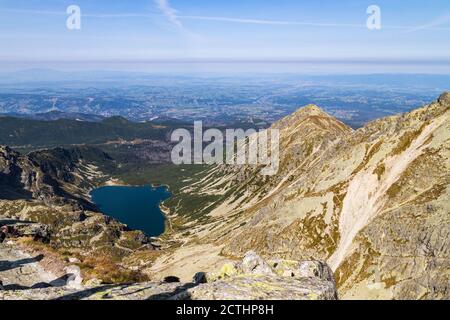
<point>24,132</point>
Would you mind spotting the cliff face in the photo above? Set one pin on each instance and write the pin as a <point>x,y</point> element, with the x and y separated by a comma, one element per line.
<point>373,202</point>
<point>50,189</point>
<point>55,177</point>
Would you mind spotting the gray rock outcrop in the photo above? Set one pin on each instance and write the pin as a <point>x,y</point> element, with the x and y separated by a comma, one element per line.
<point>251,279</point>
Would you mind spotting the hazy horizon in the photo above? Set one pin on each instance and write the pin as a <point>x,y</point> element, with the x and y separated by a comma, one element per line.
<point>236,67</point>
<point>233,36</point>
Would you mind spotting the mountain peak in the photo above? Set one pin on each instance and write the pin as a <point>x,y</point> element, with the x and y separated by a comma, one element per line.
<point>444,98</point>
<point>311,114</point>
<point>312,110</point>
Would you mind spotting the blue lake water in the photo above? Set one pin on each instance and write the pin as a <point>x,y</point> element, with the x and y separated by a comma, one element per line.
<point>137,207</point>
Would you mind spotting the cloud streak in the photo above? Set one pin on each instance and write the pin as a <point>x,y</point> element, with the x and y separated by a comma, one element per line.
<point>169,12</point>
<point>270,22</point>
<point>433,25</point>
<point>172,16</point>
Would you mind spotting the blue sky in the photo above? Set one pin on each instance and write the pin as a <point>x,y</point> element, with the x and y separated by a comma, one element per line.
<point>250,30</point>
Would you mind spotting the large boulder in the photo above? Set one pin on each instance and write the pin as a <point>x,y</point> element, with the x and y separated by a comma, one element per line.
<point>254,264</point>
<point>315,269</point>
<point>200,277</point>
<point>254,279</point>
<point>74,278</point>
<point>260,287</point>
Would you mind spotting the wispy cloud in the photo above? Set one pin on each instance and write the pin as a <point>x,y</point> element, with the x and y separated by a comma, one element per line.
<point>270,22</point>
<point>169,12</point>
<point>433,25</point>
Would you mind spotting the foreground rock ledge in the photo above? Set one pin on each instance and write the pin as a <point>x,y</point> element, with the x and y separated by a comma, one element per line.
<point>235,288</point>
<point>262,288</point>
<point>251,279</point>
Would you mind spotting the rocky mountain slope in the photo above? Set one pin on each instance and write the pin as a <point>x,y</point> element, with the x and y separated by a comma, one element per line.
<point>56,176</point>
<point>45,195</point>
<point>373,202</point>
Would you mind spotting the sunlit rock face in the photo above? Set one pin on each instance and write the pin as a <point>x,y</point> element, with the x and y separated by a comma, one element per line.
<point>374,203</point>
<point>251,279</point>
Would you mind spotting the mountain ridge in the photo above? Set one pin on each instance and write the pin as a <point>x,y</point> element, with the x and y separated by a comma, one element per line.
<point>373,202</point>
<point>344,190</point>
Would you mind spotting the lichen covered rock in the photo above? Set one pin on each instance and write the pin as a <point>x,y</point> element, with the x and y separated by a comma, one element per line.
<point>262,287</point>
<point>235,283</point>
<point>254,264</point>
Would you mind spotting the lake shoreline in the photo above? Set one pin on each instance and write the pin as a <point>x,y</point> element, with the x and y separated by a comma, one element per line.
<point>139,207</point>
<point>114,182</point>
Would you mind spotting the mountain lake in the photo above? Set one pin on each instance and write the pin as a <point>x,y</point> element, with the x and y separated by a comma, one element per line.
<point>137,207</point>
